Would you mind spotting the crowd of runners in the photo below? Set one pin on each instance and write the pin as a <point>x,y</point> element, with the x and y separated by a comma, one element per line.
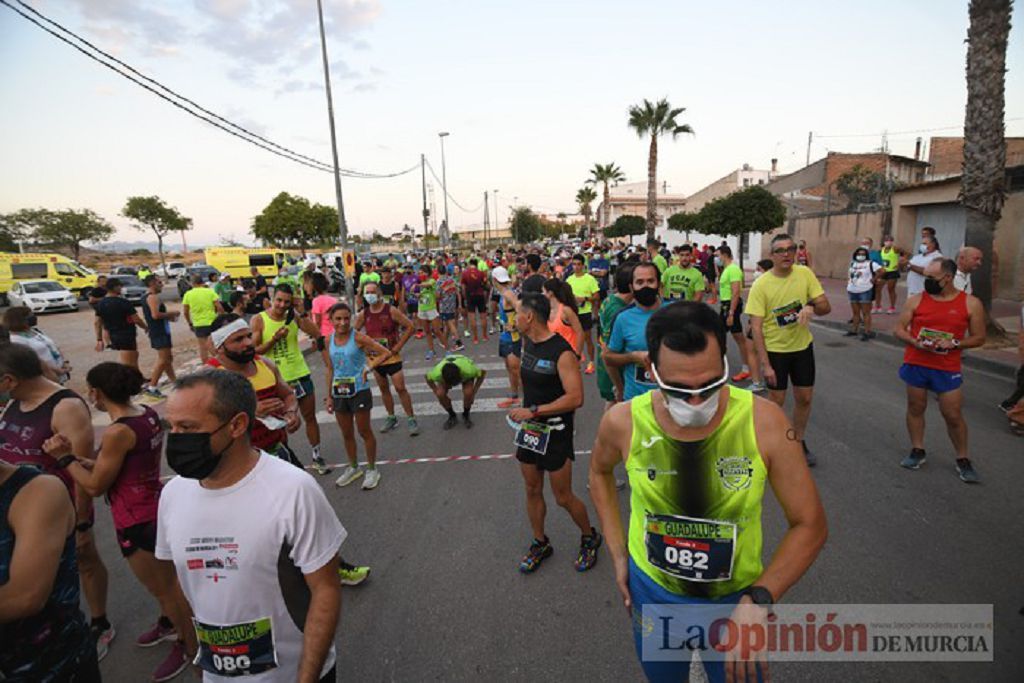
<point>695,441</point>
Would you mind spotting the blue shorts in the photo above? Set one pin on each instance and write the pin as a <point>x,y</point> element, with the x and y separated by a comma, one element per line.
<point>445,317</point>
<point>506,348</point>
<point>302,386</point>
<point>939,381</point>
<point>861,297</point>
<point>643,591</point>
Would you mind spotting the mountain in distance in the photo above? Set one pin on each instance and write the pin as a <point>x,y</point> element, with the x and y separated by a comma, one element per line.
<point>126,247</point>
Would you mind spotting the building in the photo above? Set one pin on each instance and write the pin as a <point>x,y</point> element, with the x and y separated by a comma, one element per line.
<point>946,156</point>
<point>741,178</point>
<point>630,199</point>
<point>814,185</point>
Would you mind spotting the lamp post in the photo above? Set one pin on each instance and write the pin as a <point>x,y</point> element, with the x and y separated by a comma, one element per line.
<point>444,187</point>
<point>342,224</point>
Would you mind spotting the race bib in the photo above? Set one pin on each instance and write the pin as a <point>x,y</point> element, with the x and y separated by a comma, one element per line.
<point>533,436</point>
<point>383,342</point>
<point>241,649</point>
<point>929,337</point>
<point>297,387</point>
<point>788,314</point>
<point>690,548</point>
<point>643,376</point>
<point>344,387</point>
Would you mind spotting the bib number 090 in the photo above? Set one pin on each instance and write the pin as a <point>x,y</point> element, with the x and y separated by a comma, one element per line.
<point>229,663</point>
<point>686,558</point>
<point>531,439</point>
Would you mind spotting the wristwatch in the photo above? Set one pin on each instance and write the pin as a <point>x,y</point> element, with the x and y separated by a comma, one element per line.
<point>533,410</point>
<point>65,461</point>
<point>760,596</point>
<point>956,343</point>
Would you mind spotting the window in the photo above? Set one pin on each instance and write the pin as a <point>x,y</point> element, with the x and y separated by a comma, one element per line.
<point>746,182</point>
<point>261,260</point>
<point>760,181</point>
<point>64,269</point>
<point>28,271</point>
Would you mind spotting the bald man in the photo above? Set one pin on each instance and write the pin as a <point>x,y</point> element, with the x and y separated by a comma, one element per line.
<point>968,260</point>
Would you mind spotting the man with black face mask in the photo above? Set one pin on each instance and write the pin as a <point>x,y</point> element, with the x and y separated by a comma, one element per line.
<point>699,453</point>
<point>263,588</point>
<point>937,325</point>
<point>627,346</point>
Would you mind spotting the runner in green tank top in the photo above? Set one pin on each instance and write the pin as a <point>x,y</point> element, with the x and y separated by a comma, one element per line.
<point>698,453</point>
<point>275,332</point>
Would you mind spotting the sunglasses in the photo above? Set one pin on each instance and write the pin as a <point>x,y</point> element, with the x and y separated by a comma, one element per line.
<point>685,393</point>
<point>784,250</point>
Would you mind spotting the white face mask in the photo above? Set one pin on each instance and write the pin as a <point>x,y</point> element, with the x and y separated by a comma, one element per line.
<point>684,413</point>
<point>371,299</point>
<point>860,257</point>
<point>922,249</point>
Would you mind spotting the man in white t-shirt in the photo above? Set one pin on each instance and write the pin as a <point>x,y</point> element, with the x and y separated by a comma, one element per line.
<point>253,540</point>
<point>968,260</point>
<point>927,252</point>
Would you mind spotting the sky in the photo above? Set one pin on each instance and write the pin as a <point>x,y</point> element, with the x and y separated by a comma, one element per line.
<point>533,94</point>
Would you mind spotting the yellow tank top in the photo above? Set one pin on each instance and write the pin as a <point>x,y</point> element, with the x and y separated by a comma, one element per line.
<point>286,353</point>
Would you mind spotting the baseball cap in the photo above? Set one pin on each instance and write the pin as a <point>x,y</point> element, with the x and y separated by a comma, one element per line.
<point>500,274</point>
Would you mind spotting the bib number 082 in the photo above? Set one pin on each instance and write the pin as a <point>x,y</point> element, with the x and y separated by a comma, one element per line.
<point>686,558</point>
<point>230,663</point>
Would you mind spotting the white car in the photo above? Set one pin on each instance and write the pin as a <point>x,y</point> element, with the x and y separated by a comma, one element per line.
<point>42,296</point>
<point>174,269</point>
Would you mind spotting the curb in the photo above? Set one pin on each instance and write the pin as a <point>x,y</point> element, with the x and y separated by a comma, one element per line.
<point>970,361</point>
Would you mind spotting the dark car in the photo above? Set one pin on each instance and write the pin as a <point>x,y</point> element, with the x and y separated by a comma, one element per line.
<point>185,281</point>
<point>132,288</point>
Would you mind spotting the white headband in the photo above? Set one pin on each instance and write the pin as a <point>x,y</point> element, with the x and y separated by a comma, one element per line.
<point>220,335</point>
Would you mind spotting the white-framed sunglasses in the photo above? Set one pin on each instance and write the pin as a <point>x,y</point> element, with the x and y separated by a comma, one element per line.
<point>685,393</point>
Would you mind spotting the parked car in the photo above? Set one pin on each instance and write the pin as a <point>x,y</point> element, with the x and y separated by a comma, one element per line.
<point>173,269</point>
<point>42,296</point>
<point>131,288</point>
<point>124,270</point>
<point>185,281</point>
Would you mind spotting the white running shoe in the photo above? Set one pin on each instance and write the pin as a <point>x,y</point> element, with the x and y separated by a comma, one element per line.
<point>371,479</point>
<point>348,475</point>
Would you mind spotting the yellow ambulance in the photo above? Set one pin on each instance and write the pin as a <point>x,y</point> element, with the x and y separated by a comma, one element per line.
<point>238,261</point>
<point>56,267</point>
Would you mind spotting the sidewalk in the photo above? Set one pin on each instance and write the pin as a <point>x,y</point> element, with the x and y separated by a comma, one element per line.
<point>1006,312</point>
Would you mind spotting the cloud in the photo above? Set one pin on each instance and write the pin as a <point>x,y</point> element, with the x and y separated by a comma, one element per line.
<point>360,44</point>
<point>365,86</point>
<point>295,85</point>
<point>377,71</point>
<point>132,22</point>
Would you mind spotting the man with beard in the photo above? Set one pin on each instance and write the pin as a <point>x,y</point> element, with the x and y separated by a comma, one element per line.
<point>627,347</point>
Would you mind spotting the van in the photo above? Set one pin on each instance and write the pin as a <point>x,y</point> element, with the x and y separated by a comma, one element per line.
<point>238,261</point>
<point>56,267</point>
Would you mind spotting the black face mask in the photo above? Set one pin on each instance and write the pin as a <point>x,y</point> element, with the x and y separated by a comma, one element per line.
<point>31,321</point>
<point>932,286</point>
<point>241,357</point>
<point>645,296</point>
<point>191,455</point>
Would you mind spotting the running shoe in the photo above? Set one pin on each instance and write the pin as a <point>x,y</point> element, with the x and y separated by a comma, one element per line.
<point>158,634</point>
<point>891,311</point>
<point>740,376</point>
<point>866,336</point>
<point>419,334</point>
<point>348,475</point>
<point>467,421</point>
<point>103,638</point>
<point>154,393</point>
<point>390,422</point>
<point>320,466</point>
<point>587,556</point>
<point>965,469</point>
<point>538,552</point>
<point>507,403</point>
<point>430,355</point>
<point>589,370</point>
<point>351,575</point>
<point>459,346</point>
<point>811,458</point>
<point>876,310</point>
<point>371,479</point>
<point>414,427</point>
<point>465,333</point>
<point>850,333</point>
<point>757,387</point>
<point>450,422</point>
<point>914,460</point>
<point>174,664</point>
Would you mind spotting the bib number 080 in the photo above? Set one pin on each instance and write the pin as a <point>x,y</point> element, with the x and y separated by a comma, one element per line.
<point>686,558</point>
<point>229,663</point>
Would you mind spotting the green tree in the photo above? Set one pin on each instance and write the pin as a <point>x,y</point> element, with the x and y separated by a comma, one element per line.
<point>605,174</point>
<point>655,120</point>
<point>983,186</point>
<point>12,231</point>
<point>683,222</point>
<point>69,229</point>
<point>753,209</point>
<point>585,196</point>
<point>862,186</point>
<point>292,222</point>
<point>525,225</point>
<point>152,213</point>
<point>627,226</point>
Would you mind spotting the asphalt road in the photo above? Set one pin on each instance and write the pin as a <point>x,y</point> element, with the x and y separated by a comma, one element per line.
<point>445,600</point>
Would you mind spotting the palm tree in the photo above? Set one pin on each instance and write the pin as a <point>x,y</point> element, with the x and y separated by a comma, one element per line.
<point>984,178</point>
<point>584,197</point>
<point>604,174</point>
<point>655,120</point>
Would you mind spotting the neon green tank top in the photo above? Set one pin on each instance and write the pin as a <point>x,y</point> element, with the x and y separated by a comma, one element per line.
<point>891,257</point>
<point>286,352</point>
<point>695,507</point>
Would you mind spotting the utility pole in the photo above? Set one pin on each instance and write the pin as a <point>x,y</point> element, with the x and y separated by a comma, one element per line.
<point>487,219</point>
<point>810,136</point>
<point>426,211</point>
<point>497,224</point>
<point>444,186</point>
<point>342,225</point>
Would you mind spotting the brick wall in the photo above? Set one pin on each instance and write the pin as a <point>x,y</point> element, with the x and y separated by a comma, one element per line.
<point>946,155</point>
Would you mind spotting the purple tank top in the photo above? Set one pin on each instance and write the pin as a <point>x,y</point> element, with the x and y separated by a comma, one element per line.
<point>135,493</point>
<point>22,435</point>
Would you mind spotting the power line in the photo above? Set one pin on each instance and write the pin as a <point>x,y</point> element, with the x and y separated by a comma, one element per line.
<point>206,115</point>
<point>434,173</point>
<point>903,132</point>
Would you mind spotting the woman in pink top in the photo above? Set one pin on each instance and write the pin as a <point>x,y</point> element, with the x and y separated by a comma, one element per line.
<point>127,470</point>
<point>322,302</point>
<point>564,320</point>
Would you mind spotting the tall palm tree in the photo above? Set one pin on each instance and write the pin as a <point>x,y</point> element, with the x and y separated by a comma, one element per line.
<point>604,174</point>
<point>655,120</point>
<point>584,198</point>
<point>984,178</point>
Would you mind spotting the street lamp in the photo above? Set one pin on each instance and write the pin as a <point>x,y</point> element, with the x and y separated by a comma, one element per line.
<point>444,186</point>
<point>342,224</point>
